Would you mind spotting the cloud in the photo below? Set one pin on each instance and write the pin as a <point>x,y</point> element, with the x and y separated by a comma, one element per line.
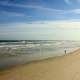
<point>8,1</point>
<point>42,8</point>
<point>76,11</point>
<point>71,1</point>
<point>30,6</point>
<point>13,14</point>
<point>67,1</point>
<point>66,24</point>
<point>45,10</point>
<point>49,30</point>
<point>41,30</point>
<point>36,7</point>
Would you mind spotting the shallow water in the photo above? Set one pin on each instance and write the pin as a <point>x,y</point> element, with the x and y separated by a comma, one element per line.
<point>20,52</point>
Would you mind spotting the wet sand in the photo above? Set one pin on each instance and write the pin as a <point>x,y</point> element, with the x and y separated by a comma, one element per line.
<point>65,67</point>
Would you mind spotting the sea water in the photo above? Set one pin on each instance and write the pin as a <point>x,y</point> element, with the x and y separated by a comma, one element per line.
<point>24,51</point>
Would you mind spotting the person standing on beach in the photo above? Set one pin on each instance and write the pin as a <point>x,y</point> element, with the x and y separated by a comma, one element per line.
<point>65,51</point>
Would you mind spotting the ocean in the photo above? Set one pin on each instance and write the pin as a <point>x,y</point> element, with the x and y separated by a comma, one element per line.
<point>13,52</point>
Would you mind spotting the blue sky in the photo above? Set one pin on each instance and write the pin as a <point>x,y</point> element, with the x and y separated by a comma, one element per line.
<point>40,19</point>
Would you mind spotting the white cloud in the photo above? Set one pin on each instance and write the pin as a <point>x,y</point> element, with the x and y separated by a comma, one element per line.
<point>33,7</point>
<point>68,1</point>
<point>76,11</point>
<point>72,1</point>
<point>42,8</point>
<point>13,14</point>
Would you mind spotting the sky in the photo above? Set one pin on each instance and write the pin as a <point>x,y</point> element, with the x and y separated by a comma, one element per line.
<point>39,19</point>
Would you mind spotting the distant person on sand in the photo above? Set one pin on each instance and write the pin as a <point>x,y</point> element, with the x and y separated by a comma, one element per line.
<point>65,51</point>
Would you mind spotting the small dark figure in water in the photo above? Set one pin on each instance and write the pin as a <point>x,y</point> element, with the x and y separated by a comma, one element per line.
<point>65,51</point>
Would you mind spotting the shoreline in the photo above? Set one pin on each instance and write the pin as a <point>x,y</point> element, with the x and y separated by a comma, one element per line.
<point>36,61</point>
<point>66,67</point>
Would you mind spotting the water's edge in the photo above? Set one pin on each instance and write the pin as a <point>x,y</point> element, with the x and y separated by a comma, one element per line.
<point>34,61</point>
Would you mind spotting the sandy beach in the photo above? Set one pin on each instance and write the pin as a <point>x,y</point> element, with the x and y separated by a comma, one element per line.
<point>65,67</point>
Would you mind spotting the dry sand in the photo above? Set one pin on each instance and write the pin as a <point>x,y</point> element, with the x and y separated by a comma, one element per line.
<point>60,68</point>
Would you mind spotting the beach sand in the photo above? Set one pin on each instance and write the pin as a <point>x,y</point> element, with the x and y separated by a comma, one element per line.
<point>65,67</point>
